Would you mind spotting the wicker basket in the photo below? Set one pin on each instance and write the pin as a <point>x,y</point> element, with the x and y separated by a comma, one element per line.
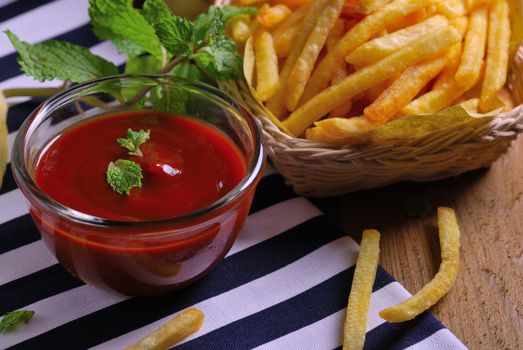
<point>321,170</point>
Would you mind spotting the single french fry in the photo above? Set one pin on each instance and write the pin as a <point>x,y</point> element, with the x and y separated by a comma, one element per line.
<point>284,41</point>
<point>354,330</point>
<point>356,36</point>
<point>368,6</point>
<point>285,32</point>
<point>409,20</point>
<point>434,100</point>
<point>473,4</point>
<point>340,130</point>
<point>444,279</point>
<point>273,15</point>
<point>447,77</point>
<point>324,102</point>
<point>276,104</point>
<point>179,327</point>
<point>497,54</point>
<point>239,30</point>
<point>266,65</point>
<point>460,23</point>
<point>374,92</point>
<point>403,90</point>
<point>336,33</point>
<point>305,63</point>
<point>469,69</point>
<point>451,8</point>
<point>376,49</point>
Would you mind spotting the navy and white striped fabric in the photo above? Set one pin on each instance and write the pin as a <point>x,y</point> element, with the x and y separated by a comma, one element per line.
<point>284,284</point>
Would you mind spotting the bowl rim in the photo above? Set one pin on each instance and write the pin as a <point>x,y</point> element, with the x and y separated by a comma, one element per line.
<point>26,182</point>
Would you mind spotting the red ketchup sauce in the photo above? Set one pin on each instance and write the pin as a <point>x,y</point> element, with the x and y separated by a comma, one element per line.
<point>186,165</point>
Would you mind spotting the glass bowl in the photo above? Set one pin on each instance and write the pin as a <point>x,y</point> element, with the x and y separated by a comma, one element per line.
<point>138,257</point>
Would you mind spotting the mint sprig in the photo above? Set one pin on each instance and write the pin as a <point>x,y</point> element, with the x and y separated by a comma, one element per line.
<point>123,175</point>
<point>12,319</point>
<point>154,40</point>
<point>133,141</point>
<point>55,59</point>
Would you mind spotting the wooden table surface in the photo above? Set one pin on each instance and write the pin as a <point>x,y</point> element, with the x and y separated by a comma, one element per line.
<point>485,307</point>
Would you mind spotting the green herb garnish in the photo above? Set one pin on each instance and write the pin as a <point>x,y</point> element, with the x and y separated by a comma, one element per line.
<point>133,141</point>
<point>12,319</point>
<point>155,41</point>
<point>123,175</point>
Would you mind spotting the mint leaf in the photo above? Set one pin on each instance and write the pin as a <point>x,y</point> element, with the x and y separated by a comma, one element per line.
<point>176,35</point>
<point>117,19</point>
<point>419,207</point>
<point>12,319</point>
<point>123,175</point>
<point>54,59</point>
<point>133,141</point>
<point>209,25</point>
<point>220,59</point>
<point>229,12</point>
<point>124,45</point>
<point>155,10</point>
<point>187,69</point>
<point>145,64</point>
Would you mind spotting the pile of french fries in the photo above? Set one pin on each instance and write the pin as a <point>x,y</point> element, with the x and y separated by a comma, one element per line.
<point>333,70</point>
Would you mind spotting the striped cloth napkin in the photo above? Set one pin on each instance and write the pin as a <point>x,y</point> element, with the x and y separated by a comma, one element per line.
<point>283,285</point>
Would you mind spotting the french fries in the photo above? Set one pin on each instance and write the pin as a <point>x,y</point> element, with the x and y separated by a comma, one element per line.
<point>473,50</point>
<point>267,79</point>
<point>497,54</point>
<point>305,63</point>
<point>367,77</point>
<point>360,292</point>
<point>375,50</point>
<point>356,36</point>
<point>381,60</point>
<point>277,102</point>
<point>444,279</point>
<point>179,327</point>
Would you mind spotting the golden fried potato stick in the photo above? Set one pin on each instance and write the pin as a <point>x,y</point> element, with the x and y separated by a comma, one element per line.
<point>497,54</point>
<point>286,31</point>
<point>179,327</point>
<point>305,63</point>
<point>469,69</point>
<point>434,100</point>
<point>273,15</point>
<point>412,54</point>
<point>447,77</point>
<point>356,36</point>
<point>359,298</point>
<point>340,130</point>
<point>444,279</point>
<point>460,23</point>
<point>239,30</point>
<point>473,4</point>
<point>409,20</point>
<point>376,49</point>
<point>276,104</point>
<point>451,8</point>
<point>336,33</point>
<point>367,6</point>
<point>266,65</point>
<point>403,90</point>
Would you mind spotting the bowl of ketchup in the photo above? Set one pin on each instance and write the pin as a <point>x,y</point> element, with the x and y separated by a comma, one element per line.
<point>198,169</point>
